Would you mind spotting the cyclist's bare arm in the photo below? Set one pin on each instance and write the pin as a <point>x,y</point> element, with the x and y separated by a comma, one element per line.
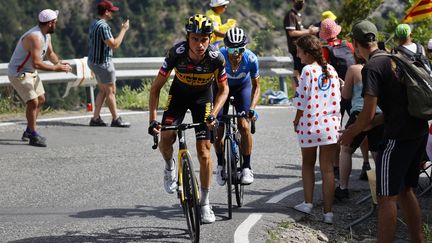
<point>256,89</point>
<point>157,85</point>
<point>221,97</point>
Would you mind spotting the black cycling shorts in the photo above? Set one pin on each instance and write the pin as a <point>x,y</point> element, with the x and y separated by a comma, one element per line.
<point>180,100</point>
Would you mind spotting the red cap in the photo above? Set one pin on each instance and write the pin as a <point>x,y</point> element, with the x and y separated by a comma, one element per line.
<point>107,5</point>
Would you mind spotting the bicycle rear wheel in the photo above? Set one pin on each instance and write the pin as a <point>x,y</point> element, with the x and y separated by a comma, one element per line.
<point>228,174</point>
<point>190,203</point>
<point>238,187</point>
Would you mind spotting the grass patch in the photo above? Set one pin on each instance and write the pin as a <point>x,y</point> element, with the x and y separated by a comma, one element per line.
<point>427,229</point>
<point>9,106</point>
<point>138,99</point>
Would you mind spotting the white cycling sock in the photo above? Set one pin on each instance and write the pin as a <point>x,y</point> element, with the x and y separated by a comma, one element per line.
<point>169,164</point>
<point>204,197</point>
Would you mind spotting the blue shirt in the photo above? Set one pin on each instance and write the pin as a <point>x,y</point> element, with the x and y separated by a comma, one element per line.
<point>249,68</point>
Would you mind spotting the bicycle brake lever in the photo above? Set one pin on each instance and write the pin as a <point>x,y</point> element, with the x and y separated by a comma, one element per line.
<point>155,141</point>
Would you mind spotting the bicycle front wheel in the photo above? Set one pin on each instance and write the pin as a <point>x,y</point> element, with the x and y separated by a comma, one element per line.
<point>238,187</point>
<point>190,203</point>
<point>228,174</point>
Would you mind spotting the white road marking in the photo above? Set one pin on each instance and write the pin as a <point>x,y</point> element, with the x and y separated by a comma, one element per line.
<point>285,194</point>
<point>3,124</point>
<point>242,232</point>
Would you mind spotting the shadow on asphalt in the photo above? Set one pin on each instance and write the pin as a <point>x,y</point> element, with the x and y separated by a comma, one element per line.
<point>12,142</point>
<point>168,213</point>
<point>61,123</point>
<point>128,234</point>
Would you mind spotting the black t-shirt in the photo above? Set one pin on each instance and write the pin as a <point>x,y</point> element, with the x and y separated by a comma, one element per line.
<point>292,21</point>
<point>381,80</point>
<point>191,76</point>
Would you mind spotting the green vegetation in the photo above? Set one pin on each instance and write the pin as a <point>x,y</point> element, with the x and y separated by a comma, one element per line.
<point>138,99</point>
<point>157,25</point>
<point>427,229</point>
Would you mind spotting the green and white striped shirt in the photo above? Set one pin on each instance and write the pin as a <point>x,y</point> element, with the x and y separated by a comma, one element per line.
<point>99,52</point>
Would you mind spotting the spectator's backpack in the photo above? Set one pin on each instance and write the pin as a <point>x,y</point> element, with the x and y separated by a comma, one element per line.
<point>418,83</point>
<point>341,57</point>
<point>415,56</point>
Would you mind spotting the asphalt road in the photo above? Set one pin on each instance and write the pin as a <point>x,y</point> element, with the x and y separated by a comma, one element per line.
<point>105,184</point>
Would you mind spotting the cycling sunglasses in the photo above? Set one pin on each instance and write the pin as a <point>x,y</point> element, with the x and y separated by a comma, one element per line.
<point>238,50</point>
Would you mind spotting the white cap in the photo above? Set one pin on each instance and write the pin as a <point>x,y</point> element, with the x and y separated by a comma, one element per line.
<point>430,45</point>
<point>217,3</point>
<point>47,15</point>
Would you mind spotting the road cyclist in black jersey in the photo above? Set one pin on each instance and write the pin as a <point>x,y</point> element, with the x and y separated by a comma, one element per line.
<point>197,66</point>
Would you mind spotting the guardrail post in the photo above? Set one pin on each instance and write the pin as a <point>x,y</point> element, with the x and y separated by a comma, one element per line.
<point>282,85</point>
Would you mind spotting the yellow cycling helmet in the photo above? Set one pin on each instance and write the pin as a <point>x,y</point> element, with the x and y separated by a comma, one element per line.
<point>199,24</point>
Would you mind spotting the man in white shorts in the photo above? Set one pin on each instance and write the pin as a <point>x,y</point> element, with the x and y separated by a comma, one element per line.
<point>32,47</point>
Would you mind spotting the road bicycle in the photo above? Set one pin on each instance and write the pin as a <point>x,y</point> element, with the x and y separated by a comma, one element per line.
<point>233,157</point>
<point>187,184</point>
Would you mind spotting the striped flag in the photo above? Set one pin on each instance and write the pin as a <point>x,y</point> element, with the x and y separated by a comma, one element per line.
<point>420,10</point>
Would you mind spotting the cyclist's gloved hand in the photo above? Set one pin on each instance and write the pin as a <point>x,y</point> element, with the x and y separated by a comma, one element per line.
<point>210,119</point>
<point>153,125</point>
<point>253,114</point>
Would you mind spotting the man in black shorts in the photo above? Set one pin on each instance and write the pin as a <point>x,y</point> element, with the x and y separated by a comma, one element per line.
<point>397,166</point>
<point>294,29</point>
<point>197,65</point>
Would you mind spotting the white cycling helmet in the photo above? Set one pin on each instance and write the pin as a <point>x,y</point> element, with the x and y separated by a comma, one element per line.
<point>235,37</point>
<point>217,3</point>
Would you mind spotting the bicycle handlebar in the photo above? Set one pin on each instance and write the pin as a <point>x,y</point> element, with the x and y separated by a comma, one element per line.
<point>229,117</point>
<point>183,127</point>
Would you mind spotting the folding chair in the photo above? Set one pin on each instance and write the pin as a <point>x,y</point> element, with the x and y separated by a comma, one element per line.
<point>425,165</point>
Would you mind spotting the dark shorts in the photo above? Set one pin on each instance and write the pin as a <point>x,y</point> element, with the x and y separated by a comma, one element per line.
<point>242,99</point>
<point>375,135</point>
<point>180,100</point>
<point>397,165</point>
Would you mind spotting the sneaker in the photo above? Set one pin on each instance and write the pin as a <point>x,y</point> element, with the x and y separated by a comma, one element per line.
<point>336,172</point>
<point>37,141</point>
<point>247,176</point>
<point>170,180</point>
<point>26,136</point>
<point>207,215</point>
<point>304,207</point>
<point>328,218</point>
<point>98,122</point>
<point>363,174</point>
<point>220,175</point>
<point>341,194</point>
<point>119,123</point>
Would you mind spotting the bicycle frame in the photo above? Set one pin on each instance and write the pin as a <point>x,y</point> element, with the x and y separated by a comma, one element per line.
<point>187,191</point>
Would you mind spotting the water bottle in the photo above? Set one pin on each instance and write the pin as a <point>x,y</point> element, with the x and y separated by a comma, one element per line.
<point>235,151</point>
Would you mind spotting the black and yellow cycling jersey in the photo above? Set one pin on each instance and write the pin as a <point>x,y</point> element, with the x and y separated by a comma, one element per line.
<point>194,77</point>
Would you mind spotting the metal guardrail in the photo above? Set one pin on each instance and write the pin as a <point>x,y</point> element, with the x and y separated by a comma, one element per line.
<point>136,68</point>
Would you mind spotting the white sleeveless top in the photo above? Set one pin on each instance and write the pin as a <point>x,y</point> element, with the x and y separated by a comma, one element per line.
<point>21,60</point>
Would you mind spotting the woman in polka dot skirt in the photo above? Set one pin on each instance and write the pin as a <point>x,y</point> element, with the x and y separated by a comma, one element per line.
<point>317,122</point>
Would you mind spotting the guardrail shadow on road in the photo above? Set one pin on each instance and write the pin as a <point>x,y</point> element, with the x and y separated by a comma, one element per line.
<point>62,124</point>
<point>127,234</point>
<point>168,213</point>
<point>12,142</point>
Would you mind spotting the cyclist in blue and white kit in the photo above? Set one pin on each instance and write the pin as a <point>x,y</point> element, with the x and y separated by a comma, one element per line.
<point>243,79</point>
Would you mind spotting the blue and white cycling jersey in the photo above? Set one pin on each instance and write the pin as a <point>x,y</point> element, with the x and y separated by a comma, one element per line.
<point>249,68</point>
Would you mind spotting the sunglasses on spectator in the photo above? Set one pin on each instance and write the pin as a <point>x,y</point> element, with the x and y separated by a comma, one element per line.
<point>237,50</point>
